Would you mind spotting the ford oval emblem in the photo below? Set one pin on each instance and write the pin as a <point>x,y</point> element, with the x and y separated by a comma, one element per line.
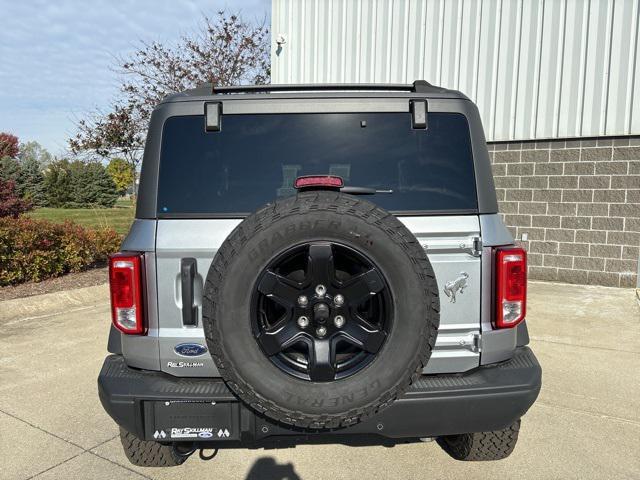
<point>205,434</point>
<point>190,349</point>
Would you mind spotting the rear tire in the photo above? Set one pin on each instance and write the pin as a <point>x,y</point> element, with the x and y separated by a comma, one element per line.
<point>143,453</point>
<point>482,446</point>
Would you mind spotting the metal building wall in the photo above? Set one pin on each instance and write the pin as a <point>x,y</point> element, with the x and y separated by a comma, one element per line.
<point>537,69</point>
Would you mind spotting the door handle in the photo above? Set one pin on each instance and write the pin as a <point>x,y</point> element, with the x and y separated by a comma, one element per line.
<point>188,270</point>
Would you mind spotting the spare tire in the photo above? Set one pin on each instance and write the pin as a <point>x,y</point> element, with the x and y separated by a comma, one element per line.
<point>320,310</point>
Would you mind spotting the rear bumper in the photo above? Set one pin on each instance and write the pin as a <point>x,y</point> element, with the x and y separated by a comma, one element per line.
<point>488,398</point>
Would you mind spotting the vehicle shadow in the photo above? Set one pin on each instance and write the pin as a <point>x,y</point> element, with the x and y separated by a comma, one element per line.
<point>266,468</point>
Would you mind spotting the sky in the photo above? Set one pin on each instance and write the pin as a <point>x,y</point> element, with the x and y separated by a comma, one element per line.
<point>56,57</point>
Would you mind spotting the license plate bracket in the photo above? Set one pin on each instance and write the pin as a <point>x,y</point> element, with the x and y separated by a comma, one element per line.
<point>192,421</point>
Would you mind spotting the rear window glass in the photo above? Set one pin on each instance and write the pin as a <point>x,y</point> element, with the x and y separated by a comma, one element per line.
<point>255,159</point>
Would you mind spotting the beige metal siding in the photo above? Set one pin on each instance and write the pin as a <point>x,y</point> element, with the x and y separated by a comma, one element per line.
<point>536,68</point>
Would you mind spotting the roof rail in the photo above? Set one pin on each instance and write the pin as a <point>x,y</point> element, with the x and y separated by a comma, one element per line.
<point>419,86</point>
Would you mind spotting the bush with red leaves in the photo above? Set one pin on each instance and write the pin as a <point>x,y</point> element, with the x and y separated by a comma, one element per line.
<point>33,250</point>
<point>11,205</point>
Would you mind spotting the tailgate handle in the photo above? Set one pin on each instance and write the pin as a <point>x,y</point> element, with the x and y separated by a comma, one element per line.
<point>188,270</point>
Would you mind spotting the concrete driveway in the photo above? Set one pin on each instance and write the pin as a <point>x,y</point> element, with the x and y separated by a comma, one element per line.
<point>586,423</point>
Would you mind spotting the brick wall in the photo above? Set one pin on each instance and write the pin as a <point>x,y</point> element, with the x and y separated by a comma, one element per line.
<point>577,204</point>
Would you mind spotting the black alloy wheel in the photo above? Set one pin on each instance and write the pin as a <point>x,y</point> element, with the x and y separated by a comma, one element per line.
<point>321,311</point>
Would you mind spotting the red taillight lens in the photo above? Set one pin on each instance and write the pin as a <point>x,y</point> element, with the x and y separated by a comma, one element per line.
<point>511,286</point>
<point>327,181</point>
<point>125,282</point>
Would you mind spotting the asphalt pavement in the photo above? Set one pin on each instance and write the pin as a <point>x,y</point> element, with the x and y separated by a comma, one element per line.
<point>585,424</point>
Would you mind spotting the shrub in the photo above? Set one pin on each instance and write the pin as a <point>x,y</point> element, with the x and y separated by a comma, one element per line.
<point>11,205</point>
<point>33,250</point>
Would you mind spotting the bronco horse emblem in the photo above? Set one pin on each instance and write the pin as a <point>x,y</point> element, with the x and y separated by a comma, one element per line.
<point>453,286</point>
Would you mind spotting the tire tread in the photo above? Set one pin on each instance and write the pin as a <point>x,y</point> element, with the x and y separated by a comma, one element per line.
<point>144,453</point>
<point>482,446</point>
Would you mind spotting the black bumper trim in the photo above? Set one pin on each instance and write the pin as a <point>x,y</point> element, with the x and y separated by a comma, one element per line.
<point>487,398</point>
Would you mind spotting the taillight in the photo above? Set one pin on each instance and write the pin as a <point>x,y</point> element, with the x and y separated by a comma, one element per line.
<point>126,284</point>
<point>511,286</point>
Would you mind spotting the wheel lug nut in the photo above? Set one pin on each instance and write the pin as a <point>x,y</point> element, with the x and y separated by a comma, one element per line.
<point>303,322</point>
<point>303,301</point>
<point>338,300</point>
<point>321,331</point>
<point>339,321</point>
<point>321,290</point>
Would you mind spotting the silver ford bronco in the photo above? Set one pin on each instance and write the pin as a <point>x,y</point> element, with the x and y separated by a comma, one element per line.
<point>317,263</point>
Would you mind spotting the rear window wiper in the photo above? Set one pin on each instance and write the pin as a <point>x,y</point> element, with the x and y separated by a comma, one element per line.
<point>363,190</point>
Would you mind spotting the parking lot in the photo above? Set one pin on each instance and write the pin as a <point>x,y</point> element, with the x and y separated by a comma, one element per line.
<point>585,424</point>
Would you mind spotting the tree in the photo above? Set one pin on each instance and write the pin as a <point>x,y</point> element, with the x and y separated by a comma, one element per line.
<point>25,171</point>
<point>92,185</point>
<point>116,133</point>
<point>57,184</point>
<point>225,50</point>
<point>11,205</point>
<point>35,151</point>
<point>10,169</point>
<point>79,184</point>
<point>33,159</point>
<point>8,145</point>
<point>32,182</point>
<point>121,173</point>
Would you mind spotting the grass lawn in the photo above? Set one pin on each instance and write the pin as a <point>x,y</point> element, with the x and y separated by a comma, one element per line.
<point>119,217</point>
